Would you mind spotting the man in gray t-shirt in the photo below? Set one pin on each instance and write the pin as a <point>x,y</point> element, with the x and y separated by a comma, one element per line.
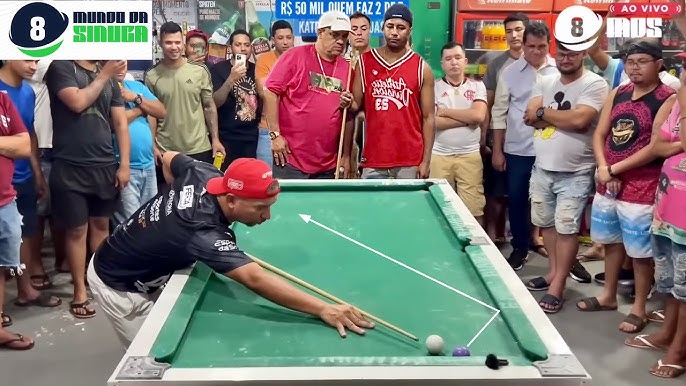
<point>564,110</point>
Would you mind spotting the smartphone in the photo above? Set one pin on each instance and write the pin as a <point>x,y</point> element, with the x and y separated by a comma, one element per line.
<point>240,60</point>
<point>199,49</point>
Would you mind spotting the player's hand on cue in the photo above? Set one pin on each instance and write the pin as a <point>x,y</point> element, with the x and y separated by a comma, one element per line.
<point>342,316</point>
<point>346,99</point>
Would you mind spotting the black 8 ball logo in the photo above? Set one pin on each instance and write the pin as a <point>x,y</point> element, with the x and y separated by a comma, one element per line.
<point>37,25</point>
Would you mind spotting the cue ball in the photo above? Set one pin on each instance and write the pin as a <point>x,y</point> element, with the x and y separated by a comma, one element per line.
<point>435,344</point>
<point>461,352</point>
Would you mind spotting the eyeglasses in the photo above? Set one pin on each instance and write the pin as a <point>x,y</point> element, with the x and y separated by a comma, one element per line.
<point>570,56</point>
<point>638,63</point>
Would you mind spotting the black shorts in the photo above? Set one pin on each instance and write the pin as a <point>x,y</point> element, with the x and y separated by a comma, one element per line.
<point>495,182</point>
<point>238,148</point>
<point>78,193</point>
<point>27,204</point>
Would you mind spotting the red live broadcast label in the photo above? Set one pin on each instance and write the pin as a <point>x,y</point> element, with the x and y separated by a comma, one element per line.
<point>645,9</point>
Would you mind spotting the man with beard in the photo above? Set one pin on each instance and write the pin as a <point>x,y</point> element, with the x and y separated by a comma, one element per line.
<point>396,89</point>
<point>283,40</point>
<point>564,111</point>
<point>304,99</point>
<point>627,179</point>
<point>188,221</point>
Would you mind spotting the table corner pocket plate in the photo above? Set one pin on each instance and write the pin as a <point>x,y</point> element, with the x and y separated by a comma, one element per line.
<point>560,366</point>
<point>479,240</point>
<point>142,367</point>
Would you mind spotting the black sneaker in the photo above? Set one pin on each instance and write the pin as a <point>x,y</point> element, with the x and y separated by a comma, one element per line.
<point>626,277</point>
<point>517,258</point>
<point>579,273</point>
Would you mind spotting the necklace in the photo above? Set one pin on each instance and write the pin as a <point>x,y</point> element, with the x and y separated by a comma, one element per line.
<point>328,86</point>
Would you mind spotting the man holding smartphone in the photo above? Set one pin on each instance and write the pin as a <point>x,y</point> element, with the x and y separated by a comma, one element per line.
<point>238,105</point>
<point>196,46</point>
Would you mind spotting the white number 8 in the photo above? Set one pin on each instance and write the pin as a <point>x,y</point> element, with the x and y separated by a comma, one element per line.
<point>381,104</point>
<point>37,32</point>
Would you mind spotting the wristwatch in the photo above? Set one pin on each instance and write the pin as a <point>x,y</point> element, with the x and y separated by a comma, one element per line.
<point>609,171</point>
<point>274,134</point>
<point>539,113</point>
<point>138,100</point>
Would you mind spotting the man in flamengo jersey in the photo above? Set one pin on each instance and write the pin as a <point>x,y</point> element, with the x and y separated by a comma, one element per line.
<point>396,89</point>
<point>187,221</point>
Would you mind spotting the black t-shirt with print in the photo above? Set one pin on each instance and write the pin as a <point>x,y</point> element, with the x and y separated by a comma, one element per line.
<point>239,116</point>
<point>182,224</point>
<point>85,138</point>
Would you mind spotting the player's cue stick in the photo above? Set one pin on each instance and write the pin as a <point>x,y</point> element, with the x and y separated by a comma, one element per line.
<point>353,63</point>
<point>327,295</point>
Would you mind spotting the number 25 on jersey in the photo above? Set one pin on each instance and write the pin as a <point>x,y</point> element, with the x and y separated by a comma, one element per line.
<point>381,104</point>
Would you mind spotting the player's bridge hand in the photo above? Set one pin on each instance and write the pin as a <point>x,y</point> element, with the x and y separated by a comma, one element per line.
<point>342,316</point>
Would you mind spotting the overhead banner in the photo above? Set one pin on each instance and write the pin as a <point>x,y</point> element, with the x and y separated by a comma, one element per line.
<point>76,30</point>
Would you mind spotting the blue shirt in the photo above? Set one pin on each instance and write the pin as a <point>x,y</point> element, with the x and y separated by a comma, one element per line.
<point>139,130</point>
<point>24,99</point>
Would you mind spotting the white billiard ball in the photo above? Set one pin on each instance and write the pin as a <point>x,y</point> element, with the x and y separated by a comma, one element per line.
<point>435,344</point>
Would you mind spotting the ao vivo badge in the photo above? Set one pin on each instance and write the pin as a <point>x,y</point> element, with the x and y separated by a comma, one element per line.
<point>577,27</point>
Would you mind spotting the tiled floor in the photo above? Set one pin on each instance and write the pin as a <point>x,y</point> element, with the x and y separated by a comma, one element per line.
<point>85,352</point>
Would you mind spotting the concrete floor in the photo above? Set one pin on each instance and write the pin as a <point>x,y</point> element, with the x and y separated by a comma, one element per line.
<point>84,352</point>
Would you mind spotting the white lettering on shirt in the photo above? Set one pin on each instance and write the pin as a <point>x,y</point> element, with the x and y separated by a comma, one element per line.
<point>395,91</point>
<point>186,197</point>
<point>170,203</point>
<point>225,245</point>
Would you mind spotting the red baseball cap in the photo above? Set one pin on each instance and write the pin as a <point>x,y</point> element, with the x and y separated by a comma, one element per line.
<point>246,178</point>
<point>681,55</point>
<point>196,33</point>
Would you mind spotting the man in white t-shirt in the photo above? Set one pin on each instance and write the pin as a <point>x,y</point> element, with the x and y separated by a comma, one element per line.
<point>460,110</point>
<point>564,109</point>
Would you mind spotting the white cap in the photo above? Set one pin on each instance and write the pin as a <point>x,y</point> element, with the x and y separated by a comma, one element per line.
<point>336,20</point>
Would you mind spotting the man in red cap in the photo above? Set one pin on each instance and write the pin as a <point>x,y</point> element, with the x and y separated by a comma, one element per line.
<point>187,221</point>
<point>196,46</point>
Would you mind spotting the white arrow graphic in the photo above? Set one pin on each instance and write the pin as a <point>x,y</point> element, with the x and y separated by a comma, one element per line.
<point>308,219</point>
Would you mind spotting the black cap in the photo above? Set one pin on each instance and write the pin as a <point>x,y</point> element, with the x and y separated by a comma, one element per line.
<point>640,46</point>
<point>398,11</point>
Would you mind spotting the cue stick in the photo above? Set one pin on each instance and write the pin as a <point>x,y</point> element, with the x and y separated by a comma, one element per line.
<point>353,63</point>
<point>325,294</point>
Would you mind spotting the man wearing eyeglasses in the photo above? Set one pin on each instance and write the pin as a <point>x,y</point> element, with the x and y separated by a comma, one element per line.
<point>627,178</point>
<point>564,110</point>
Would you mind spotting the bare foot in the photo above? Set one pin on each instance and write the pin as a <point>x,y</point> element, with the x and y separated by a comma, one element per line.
<point>633,323</point>
<point>664,369</point>
<point>599,303</point>
<point>653,342</point>
<point>82,310</point>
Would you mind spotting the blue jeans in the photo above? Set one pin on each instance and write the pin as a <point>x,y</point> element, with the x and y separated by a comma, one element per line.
<point>10,237</point>
<point>141,188</point>
<point>264,147</point>
<point>518,171</point>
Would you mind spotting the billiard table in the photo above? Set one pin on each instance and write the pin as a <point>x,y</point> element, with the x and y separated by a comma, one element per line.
<point>405,251</point>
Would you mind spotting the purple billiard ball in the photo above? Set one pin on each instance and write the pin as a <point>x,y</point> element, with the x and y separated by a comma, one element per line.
<point>461,352</point>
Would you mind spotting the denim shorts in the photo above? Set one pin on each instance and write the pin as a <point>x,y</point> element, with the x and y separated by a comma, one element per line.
<point>10,237</point>
<point>617,222</point>
<point>559,199</point>
<point>670,267</point>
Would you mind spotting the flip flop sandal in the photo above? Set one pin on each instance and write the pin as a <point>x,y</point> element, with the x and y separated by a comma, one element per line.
<point>537,284</point>
<point>657,316</point>
<point>43,279</point>
<point>19,338</point>
<point>43,300</point>
<point>584,257</point>
<point>679,370</point>
<point>592,305</point>
<point>6,320</point>
<point>553,301</point>
<point>640,341</point>
<point>635,321</point>
<point>75,306</point>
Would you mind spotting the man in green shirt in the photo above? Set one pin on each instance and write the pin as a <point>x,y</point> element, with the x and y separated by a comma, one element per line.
<point>185,88</point>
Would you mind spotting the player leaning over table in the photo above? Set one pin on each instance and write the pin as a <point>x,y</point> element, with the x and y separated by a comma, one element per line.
<point>188,221</point>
